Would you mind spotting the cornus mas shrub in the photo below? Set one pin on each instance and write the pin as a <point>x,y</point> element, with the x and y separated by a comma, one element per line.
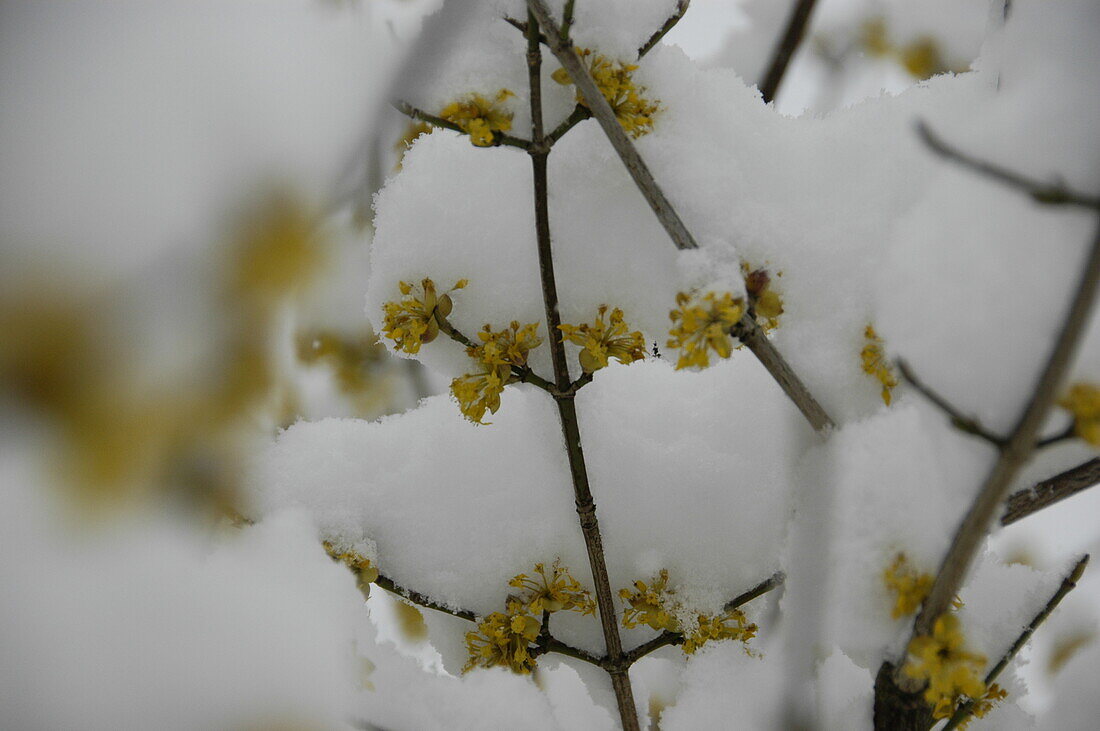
<point>682,461</point>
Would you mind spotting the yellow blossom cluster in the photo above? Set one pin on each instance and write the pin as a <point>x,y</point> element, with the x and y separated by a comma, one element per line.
<point>767,303</point>
<point>910,587</point>
<point>497,354</point>
<point>604,340</point>
<point>656,606</point>
<point>876,364</point>
<point>921,57</point>
<point>411,321</point>
<point>614,80</point>
<point>505,638</point>
<point>993,695</point>
<point>555,592</point>
<point>703,324</point>
<point>480,117</point>
<point>365,572</point>
<point>1083,401</point>
<point>952,673</point>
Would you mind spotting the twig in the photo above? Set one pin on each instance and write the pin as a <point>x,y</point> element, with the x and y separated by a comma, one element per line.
<point>567,411</point>
<point>417,598</point>
<point>983,512</point>
<point>1070,432</point>
<point>1068,585</point>
<point>749,331</point>
<point>567,19</point>
<point>520,373</point>
<point>1054,193</point>
<point>785,50</point>
<point>578,115</point>
<point>499,138</point>
<point>772,582</point>
<point>967,424</point>
<point>681,8</point>
<point>1048,492</point>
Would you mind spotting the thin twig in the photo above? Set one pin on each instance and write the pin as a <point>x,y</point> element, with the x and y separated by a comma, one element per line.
<point>681,8</point>
<point>785,50</point>
<point>1068,585</point>
<point>1053,193</point>
<point>520,373</point>
<point>1050,491</point>
<point>567,411</point>
<point>772,582</point>
<point>983,512</point>
<point>1070,432</point>
<point>963,423</point>
<point>567,19</point>
<point>748,330</point>
<point>423,600</point>
<point>578,115</point>
<point>499,138</point>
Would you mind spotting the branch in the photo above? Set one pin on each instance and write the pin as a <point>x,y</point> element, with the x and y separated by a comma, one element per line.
<point>1055,194</point>
<point>772,582</point>
<point>1048,492</point>
<point>1068,585</point>
<point>749,331</point>
<point>567,19</point>
<point>499,138</point>
<point>982,513</point>
<point>417,598</point>
<point>520,373</point>
<point>578,115</point>
<point>681,8</point>
<point>967,424</point>
<point>785,50</point>
<point>539,151</point>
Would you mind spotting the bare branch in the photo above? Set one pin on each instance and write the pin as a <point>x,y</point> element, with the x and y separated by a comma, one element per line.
<point>567,19</point>
<point>578,115</point>
<point>747,330</point>
<point>499,138</point>
<point>983,512</point>
<point>681,8</point>
<point>967,424</point>
<point>1068,585</point>
<point>1048,492</point>
<point>421,599</point>
<point>785,50</point>
<point>772,582</point>
<point>1054,193</point>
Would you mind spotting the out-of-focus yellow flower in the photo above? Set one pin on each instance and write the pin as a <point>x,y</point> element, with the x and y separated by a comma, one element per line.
<point>875,363</point>
<point>498,352</point>
<point>615,81</point>
<point>365,572</point>
<point>410,322</point>
<point>503,638</point>
<point>604,340</point>
<point>703,324</point>
<point>1083,401</point>
<point>910,587</point>
<point>480,117</point>
<point>952,673</point>
<point>555,592</point>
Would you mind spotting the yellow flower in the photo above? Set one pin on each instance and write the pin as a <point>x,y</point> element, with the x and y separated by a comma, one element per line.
<point>479,117</point>
<point>994,695</point>
<point>910,587</point>
<point>767,303</point>
<point>648,605</point>
<point>626,98</point>
<point>554,593</point>
<point>1083,401</point>
<point>497,354</point>
<point>875,363</point>
<point>411,322</point>
<point>656,606</point>
<point>702,325</point>
<point>412,134</point>
<point>952,673</point>
<point>364,570</point>
<point>503,638</point>
<point>604,340</point>
<point>731,625</point>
